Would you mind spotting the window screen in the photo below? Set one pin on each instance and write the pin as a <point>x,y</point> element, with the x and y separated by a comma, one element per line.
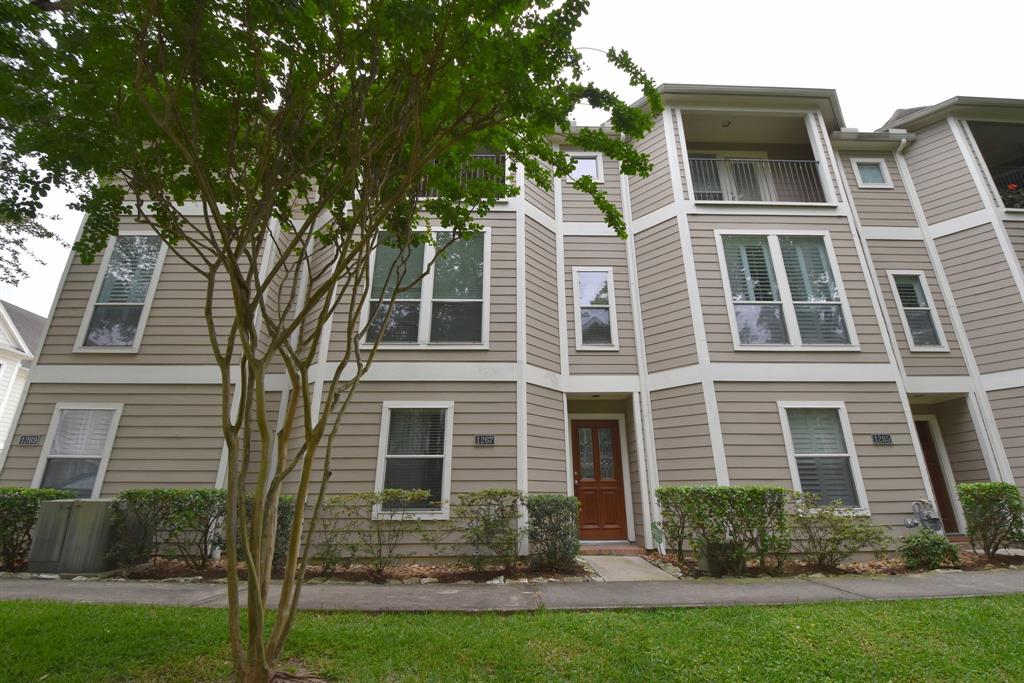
<point>389,273</point>
<point>755,292</point>
<point>871,173</point>
<point>123,291</point>
<point>822,457</point>
<point>458,301</point>
<point>819,314</point>
<point>415,452</point>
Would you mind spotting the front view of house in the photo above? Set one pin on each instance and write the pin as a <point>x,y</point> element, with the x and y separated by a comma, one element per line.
<point>798,304</point>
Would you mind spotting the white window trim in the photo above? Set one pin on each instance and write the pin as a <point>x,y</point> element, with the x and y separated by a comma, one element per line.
<point>427,302</point>
<point>613,319</point>
<point>51,432</point>
<point>851,450</point>
<point>580,154</point>
<point>446,472</point>
<point>943,345</point>
<point>886,184</point>
<point>788,308</point>
<point>83,329</point>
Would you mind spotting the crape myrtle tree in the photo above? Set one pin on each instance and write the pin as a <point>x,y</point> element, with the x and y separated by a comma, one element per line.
<point>309,131</point>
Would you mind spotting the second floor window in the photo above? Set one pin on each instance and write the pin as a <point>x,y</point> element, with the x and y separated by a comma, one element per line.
<point>783,291</point>
<point>447,306</point>
<point>116,317</point>
<point>917,312</point>
<point>595,309</point>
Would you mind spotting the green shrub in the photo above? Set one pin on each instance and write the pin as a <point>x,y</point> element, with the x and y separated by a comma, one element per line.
<point>725,525</point>
<point>491,519</point>
<point>367,535</point>
<point>137,518</point>
<point>827,535</point>
<point>285,517</point>
<point>928,549</point>
<point>553,530</point>
<point>19,510</point>
<point>994,513</point>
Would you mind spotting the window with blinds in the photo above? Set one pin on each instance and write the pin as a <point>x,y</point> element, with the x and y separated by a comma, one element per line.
<point>594,307</point>
<point>124,290</point>
<point>415,454</point>
<point>76,449</point>
<point>917,311</point>
<point>447,306</point>
<point>783,291</point>
<point>821,454</point>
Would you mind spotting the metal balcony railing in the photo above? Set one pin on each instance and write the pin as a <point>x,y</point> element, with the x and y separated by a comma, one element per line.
<point>496,173</point>
<point>1005,178</point>
<point>756,180</point>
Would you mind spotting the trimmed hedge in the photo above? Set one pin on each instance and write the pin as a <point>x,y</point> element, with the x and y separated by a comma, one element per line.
<point>995,515</point>
<point>827,535</point>
<point>19,510</point>
<point>553,530</point>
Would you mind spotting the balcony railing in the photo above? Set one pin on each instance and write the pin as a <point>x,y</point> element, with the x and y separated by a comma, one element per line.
<point>1005,177</point>
<point>756,180</point>
<point>494,168</point>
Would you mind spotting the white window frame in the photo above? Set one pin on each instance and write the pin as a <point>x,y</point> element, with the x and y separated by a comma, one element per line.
<point>104,458</point>
<point>597,156</point>
<point>613,319</point>
<point>788,307</point>
<point>83,329</point>
<point>851,450</point>
<point>865,185</point>
<point>943,345</point>
<point>427,303</point>
<point>446,473</point>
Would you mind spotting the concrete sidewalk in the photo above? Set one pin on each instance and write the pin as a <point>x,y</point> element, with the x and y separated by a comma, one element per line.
<point>531,596</point>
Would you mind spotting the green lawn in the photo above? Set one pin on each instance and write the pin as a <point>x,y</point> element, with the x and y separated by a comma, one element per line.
<point>962,639</point>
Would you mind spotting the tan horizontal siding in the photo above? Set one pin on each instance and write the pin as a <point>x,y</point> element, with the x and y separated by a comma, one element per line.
<point>668,325</point>
<point>1015,229</point>
<point>168,436</point>
<point>175,331</point>
<point>579,206</point>
<point>940,174</point>
<point>655,191</point>
<point>635,484</point>
<point>601,252</point>
<point>502,309</point>
<point>539,197</point>
<point>542,340</point>
<point>987,298</point>
<point>545,440</point>
<point>716,312</point>
<point>682,437</point>
<point>756,453</point>
<point>912,255</point>
<point>960,439</point>
<point>884,207</point>
<point>1008,408</point>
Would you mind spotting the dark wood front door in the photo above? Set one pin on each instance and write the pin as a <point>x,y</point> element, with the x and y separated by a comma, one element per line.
<point>939,484</point>
<point>598,478</point>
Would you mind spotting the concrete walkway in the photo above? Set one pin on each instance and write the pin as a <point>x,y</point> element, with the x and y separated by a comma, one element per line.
<point>626,568</point>
<point>531,596</point>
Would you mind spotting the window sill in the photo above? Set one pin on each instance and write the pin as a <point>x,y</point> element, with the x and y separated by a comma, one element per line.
<point>105,349</point>
<point>438,516</point>
<point>726,202</point>
<point>587,349</point>
<point>789,348</point>
<point>935,349</point>
<point>426,347</point>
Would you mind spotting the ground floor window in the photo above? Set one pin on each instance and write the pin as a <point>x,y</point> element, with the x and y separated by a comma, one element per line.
<point>415,452</point>
<point>77,448</point>
<point>821,455</point>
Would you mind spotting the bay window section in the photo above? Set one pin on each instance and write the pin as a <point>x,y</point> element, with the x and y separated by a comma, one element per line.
<point>447,307</point>
<point>783,290</point>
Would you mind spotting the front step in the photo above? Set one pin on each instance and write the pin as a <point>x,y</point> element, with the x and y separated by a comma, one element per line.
<point>611,549</point>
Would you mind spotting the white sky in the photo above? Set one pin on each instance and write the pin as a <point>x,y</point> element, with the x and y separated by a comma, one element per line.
<point>879,56</point>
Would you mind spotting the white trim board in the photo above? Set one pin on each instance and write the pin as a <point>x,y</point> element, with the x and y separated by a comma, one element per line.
<point>1007,379</point>
<point>885,233</point>
<point>960,223</point>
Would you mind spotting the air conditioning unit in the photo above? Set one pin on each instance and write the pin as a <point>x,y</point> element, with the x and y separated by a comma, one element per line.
<point>71,537</point>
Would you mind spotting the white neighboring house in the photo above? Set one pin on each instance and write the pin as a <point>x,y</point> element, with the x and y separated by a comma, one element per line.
<point>21,332</point>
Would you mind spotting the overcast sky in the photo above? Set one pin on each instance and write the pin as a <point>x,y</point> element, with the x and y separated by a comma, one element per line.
<point>879,55</point>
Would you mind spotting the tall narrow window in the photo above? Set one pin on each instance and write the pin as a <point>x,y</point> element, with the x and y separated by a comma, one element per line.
<point>757,302</point>
<point>76,448</point>
<point>457,310</point>
<point>821,454</point>
<point>917,312</point>
<point>116,317</point>
<point>416,452</point>
<point>595,309</point>
<point>783,291</point>
<point>404,324</point>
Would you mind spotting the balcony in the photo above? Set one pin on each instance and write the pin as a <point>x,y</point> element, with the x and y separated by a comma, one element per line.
<point>493,167</point>
<point>753,158</point>
<point>1002,148</point>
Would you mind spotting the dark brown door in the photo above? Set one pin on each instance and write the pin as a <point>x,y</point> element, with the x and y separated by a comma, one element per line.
<point>938,477</point>
<point>598,477</point>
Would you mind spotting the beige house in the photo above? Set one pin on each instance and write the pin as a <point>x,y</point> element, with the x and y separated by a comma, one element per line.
<point>798,304</point>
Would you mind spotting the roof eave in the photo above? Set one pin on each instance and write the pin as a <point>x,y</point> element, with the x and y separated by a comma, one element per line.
<point>976,106</point>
